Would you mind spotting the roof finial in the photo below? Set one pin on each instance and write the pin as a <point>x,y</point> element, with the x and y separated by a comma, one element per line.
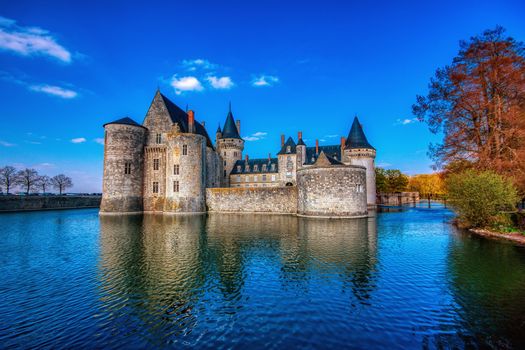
<point>230,107</point>
<point>186,108</point>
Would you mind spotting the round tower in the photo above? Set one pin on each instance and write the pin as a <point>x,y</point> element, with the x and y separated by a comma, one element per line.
<point>357,151</point>
<point>229,146</point>
<point>330,188</point>
<point>123,166</point>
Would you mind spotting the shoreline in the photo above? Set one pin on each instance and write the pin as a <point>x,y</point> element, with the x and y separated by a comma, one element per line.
<point>510,237</point>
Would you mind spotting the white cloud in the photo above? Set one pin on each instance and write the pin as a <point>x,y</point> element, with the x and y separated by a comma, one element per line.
<point>29,41</point>
<point>5,143</point>
<point>54,90</point>
<point>192,65</point>
<point>220,83</point>
<point>99,140</point>
<point>331,136</point>
<point>259,135</point>
<point>265,80</point>
<point>183,84</point>
<point>405,121</point>
<point>78,140</point>
<point>383,165</point>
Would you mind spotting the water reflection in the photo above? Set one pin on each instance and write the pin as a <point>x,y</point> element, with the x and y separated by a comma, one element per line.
<point>167,276</point>
<point>488,284</point>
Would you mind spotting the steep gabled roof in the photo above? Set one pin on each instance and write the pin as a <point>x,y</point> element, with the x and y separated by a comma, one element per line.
<point>356,137</point>
<point>289,143</point>
<point>332,151</point>
<point>324,160</point>
<point>177,115</point>
<point>300,142</point>
<point>125,121</point>
<point>229,131</point>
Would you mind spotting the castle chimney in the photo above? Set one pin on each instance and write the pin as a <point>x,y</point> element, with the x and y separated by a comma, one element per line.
<point>269,157</point>
<point>299,136</point>
<point>282,140</point>
<point>316,146</point>
<point>343,140</point>
<point>247,158</point>
<point>238,125</point>
<point>191,121</point>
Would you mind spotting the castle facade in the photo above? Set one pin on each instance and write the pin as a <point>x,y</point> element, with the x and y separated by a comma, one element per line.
<point>169,164</point>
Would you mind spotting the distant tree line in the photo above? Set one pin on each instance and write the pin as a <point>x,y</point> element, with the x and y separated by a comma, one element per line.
<point>30,181</point>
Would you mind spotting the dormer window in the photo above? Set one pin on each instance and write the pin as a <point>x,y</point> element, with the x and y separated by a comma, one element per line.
<point>247,168</point>
<point>255,167</point>
<point>273,166</point>
<point>288,149</point>
<point>264,167</point>
<point>239,168</point>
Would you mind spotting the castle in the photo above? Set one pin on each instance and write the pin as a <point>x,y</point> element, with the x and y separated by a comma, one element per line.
<point>169,164</point>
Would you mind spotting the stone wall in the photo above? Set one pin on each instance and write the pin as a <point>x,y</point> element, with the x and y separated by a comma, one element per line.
<point>332,191</point>
<point>122,191</point>
<point>397,198</point>
<point>281,200</point>
<point>23,203</point>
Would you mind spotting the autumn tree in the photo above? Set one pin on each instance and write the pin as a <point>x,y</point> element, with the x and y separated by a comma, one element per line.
<point>61,182</point>
<point>428,185</point>
<point>478,102</point>
<point>8,178</point>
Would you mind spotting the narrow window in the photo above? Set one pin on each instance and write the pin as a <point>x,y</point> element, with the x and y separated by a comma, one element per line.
<point>224,163</point>
<point>184,150</point>
<point>155,187</point>
<point>273,178</point>
<point>176,169</point>
<point>175,186</point>
<point>127,168</point>
<point>159,138</point>
<point>224,173</point>
<point>225,153</point>
<point>155,164</point>
<point>255,178</point>
<point>264,177</point>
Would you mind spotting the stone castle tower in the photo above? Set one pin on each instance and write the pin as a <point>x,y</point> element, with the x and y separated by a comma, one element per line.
<point>229,145</point>
<point>164,165</point>
<point>357,151</point>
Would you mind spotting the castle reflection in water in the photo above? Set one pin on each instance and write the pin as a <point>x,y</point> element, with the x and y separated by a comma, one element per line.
<point>176,270</point>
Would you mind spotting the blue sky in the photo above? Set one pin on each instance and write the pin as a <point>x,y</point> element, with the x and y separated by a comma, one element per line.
<point>67,68</point>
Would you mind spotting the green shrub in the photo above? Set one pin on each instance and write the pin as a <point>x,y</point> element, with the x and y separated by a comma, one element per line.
<point>479,197</point>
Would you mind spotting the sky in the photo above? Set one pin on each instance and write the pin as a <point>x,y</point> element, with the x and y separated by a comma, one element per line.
<point>66,68</point>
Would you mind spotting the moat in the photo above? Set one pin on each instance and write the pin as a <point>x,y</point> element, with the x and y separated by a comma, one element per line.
<point>72,279</point>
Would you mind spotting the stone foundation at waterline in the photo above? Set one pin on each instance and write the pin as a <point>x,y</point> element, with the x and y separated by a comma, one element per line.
<point>282,200</point>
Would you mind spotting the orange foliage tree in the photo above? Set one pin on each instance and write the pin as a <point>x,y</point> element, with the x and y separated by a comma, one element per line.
<point>478,102</point>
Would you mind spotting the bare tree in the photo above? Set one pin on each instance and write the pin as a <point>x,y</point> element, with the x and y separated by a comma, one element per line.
<point>8,178</point>
<point>28,179</point>
<point>44,182</point>
<point>61,182</point>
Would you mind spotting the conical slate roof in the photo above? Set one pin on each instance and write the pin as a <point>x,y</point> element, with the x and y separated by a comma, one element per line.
<point>356,138</point>
<point>125,121</point>
<point>229,131</point>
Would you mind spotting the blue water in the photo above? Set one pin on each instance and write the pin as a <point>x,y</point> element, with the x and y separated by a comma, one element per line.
<point>72,279</point>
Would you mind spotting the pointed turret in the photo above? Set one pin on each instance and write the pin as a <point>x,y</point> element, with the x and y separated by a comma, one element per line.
<point>230,131</point>
<point>356,137</point>
<point>358,151</point>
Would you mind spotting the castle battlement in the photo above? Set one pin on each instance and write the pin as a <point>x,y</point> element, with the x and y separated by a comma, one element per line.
<point>170,165</point>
